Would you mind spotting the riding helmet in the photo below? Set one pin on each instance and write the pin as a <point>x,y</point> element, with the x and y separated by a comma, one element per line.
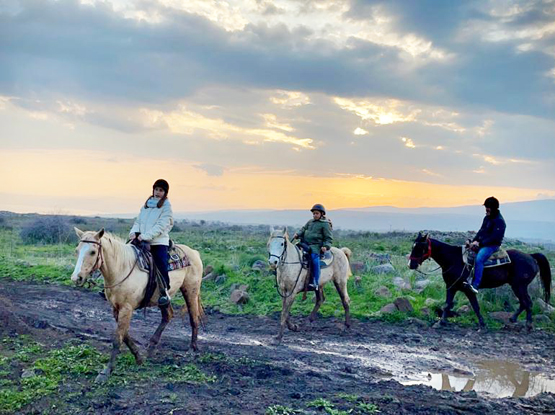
<point>163,184</point>
<point>492,203</point>
<point>319,207</point>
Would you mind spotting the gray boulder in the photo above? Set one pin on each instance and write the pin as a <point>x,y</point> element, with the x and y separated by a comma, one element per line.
<point>383,269</point>
<point>464,309</point>
<point>403,305</point>
<point>419,286</point>
<point>259,265</point>
<point>544,307</point>
<point>388,309</point>
<point>358,267</point>
<point>502,316</point>
<point>383,292</point>
<point>542,318</point>
<point>239,297</point>
<point>401,283</point>
<point>220,279</point>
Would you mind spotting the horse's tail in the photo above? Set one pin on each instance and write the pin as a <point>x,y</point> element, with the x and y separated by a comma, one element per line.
<point>348,253</point>
<point>545,274</point>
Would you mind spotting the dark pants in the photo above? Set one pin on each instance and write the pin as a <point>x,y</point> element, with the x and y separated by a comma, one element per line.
<point>160,257</point>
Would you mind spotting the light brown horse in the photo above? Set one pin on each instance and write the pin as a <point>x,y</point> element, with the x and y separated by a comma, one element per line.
<point>285,257</point>
<point>125,286</point>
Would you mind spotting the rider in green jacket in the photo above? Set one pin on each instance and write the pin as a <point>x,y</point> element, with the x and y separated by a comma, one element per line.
<point>318,236</point>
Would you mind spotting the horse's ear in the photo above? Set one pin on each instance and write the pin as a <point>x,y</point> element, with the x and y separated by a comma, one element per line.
<point>284,230</point>
<point>272,229</point>
<point>419,235</point>
<point>99,234</point>
<point>426,236</point>
<point>79,232</point>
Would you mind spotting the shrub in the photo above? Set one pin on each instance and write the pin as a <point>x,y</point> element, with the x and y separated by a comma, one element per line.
<point>77,220</point>
<point>48,230</point>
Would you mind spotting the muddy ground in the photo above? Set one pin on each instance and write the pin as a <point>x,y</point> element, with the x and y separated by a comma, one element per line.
<point>323,361</point>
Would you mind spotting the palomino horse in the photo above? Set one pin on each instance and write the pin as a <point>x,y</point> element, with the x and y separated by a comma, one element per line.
<point>519,273</point>
<point>286,258</point>
<point>125,286</point>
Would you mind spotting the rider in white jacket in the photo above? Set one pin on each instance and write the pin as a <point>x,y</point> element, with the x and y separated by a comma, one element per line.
<point>153,225</point>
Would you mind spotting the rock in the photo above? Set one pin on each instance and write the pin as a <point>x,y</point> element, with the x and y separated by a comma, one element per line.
<point>383,269</point>
<point>220,279</point>
<point>544,307</point>
<point>28,373</point>
<point>388,309</point>
<point>426,311</point>
<point>542,318</point>
<point>358,281</point>
<point>207,270</point>
<point>403,304</point>
<point>419,286</point>
<point>239,297</point>
<point>383,292</point>
<point>401,283</point>
<point>418,322</point>
<point>209,277</point>
<point>244,287</point>
<point>502,316</point>
<point>259,265</point>
<point>464,309</point>
<point>358,267</point>
<point>430,302</point>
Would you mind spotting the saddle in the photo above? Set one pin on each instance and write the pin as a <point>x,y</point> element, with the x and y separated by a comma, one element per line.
<point>499,257</point>
<point>326,259</point>
<point>176,259</point>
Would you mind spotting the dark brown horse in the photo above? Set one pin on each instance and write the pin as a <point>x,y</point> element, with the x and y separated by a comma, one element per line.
<point>518,274</point>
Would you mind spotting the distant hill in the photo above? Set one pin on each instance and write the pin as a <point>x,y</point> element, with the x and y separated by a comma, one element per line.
<point>532,220</point>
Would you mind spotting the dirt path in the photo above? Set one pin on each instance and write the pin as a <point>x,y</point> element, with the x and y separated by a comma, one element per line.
<point>368,361</point>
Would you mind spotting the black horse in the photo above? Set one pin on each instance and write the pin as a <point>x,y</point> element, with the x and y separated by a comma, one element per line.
<point>518,274</point>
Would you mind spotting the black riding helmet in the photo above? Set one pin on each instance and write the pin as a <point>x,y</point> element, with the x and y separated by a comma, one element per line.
<point>319,207</point>
<point>162,184</point>
<point>492,203</point>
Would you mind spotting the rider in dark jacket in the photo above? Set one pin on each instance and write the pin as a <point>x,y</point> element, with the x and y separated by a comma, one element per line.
<point>488,239</point>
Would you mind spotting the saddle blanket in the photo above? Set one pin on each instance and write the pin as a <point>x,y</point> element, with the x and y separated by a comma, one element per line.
<point>499,257</point>
<point>326,259</point>
<point>177,258</point>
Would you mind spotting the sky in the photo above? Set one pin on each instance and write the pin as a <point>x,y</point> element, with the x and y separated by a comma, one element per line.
<point>275,104</point>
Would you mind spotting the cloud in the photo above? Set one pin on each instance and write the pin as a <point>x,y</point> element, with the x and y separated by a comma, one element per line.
<point>211,169</point>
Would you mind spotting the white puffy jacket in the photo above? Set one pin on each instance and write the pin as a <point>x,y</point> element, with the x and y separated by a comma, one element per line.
<point>154,224</point>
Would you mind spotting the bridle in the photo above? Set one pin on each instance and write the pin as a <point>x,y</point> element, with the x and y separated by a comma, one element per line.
<point>281,258</point>
<point>427,254</point>
<point>100,257</point>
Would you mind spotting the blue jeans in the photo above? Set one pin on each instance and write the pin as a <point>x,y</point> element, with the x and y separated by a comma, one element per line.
<point>482,256</point>
<point>160,257</point>
<point>315,267</point>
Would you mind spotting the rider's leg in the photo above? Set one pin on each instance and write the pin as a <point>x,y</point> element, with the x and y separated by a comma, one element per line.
<point>315,268</point>
<point>482,256</point>
<point>160,257</point>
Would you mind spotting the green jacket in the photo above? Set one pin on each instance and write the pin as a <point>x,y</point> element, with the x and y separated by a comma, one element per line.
<point>317,233</point>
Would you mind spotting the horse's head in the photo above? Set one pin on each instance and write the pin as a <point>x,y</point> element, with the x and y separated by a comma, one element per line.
<point>277,244</point>
<point>89,255</point>
<point>421,250</point>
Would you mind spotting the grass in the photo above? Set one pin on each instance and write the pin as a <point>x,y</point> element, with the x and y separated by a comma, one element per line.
<point>231,250</point>
<point>76,364</point>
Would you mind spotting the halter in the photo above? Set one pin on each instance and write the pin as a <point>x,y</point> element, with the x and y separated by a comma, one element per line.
<point>424,257</point>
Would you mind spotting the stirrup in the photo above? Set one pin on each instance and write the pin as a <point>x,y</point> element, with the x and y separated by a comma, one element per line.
<point>164,300</point>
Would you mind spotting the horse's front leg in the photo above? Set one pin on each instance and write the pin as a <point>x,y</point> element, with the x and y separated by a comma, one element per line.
<point>475,306</point>
<point>450,296</point>
<point>286,308</point>
<point>123,317</point>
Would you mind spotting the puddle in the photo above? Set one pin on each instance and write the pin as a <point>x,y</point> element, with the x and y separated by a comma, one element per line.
<point>495,378</point>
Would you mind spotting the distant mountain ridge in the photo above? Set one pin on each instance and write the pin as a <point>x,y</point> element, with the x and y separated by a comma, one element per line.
<point>532,220</point>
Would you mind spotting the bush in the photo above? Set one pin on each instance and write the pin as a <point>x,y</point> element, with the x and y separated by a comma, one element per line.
<point>77,220</point>
<point>48,230</point>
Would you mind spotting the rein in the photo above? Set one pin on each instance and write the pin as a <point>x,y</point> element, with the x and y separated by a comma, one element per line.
<point>282,262</point>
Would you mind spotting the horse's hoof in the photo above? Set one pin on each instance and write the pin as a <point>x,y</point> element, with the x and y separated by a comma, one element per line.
<point>101,378</point>
<point>439,325</point>
<point>512,320</point>
<point>139,360</point>
<point>293,327</point>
